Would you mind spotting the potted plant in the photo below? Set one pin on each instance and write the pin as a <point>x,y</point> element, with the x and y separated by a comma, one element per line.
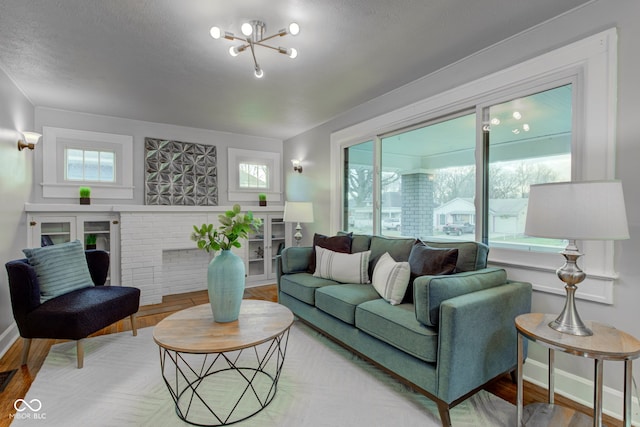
<point>91,241</point>
<point>85,195</point>
<point>226,272</point>
<point>262,198</point>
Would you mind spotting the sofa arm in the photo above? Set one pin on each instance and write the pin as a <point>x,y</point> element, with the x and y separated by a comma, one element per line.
<point>295,259</point>
<point>477,337</point>
<point>430,291</point>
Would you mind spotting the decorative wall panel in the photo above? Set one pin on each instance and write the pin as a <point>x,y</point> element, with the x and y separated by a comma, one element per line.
<point>180,173</point>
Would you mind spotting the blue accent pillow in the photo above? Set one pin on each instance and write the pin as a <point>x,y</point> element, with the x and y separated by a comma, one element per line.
<point>60,268</point>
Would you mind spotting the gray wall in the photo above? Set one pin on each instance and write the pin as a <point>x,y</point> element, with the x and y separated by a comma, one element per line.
<point>16,177</point>
<point>313,146</point>
<point>139,130</point>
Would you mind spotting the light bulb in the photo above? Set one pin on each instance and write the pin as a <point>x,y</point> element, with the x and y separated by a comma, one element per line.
<point>517,115</point>
<point>247,29</point>
<point>294,29</point>
<point>258,72</point>
<point>516,131</point>
<point>293,53</point>
<point>233,51</point>
<point>216,32</point>
<point>495,121</point>
<point>525,127</point>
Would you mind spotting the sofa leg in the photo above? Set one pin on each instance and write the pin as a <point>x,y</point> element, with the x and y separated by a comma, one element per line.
<point>133,324</point>
<point>26,346</point>
<point>514,376</point>
<point>80,351</point>
<point>443,409</point>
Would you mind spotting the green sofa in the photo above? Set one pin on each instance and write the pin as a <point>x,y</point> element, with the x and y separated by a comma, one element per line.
<point>456,334</point>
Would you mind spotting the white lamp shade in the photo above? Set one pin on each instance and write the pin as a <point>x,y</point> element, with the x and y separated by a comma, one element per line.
<point>590,210</point>
<point>298,212</point>
<point>31,137</point>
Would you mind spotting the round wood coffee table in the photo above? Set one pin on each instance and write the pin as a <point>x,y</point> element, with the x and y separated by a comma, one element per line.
<point>222,373</point>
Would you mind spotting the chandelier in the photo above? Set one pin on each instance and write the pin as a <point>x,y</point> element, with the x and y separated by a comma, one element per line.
<point>253,32</point>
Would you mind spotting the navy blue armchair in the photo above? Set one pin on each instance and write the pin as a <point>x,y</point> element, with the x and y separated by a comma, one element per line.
<point>74,315</point>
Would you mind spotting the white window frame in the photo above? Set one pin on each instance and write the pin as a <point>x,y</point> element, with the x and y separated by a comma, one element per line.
<point>56,140</point>
<point>592,64</point>
<point>271,159</point>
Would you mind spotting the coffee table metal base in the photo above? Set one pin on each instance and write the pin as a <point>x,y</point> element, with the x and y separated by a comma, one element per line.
<point>217,389</point>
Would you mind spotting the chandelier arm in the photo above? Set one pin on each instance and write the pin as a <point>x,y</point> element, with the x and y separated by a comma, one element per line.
<point>264,39</point>
<point>266,45</point>
<point>253,53</point>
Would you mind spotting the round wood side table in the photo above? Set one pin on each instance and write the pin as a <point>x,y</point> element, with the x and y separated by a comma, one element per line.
<point>606,343</point>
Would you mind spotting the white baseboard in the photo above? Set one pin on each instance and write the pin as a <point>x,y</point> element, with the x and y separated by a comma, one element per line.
<point>8,337</point>
<point>580,389</point>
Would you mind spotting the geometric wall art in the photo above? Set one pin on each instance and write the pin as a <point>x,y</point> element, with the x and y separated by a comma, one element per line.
<point>180,173</point>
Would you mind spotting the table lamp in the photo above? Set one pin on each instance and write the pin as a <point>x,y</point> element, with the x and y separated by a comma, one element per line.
<point>589,210</point>
<point>298,212</point>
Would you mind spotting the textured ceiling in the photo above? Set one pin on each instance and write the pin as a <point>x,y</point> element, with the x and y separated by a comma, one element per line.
<point>154,60</point>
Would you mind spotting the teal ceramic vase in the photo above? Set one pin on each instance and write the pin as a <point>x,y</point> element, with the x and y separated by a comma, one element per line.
<point>225,280</point>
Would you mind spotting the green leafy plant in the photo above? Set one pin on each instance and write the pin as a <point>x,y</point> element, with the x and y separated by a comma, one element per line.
<point>262,197</point>
<point>91,239</point>
<point>234,226</point>
<point>85,192</point>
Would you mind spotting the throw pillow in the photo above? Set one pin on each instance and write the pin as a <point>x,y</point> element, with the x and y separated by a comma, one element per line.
<point>391,278</point>
<point>60,268</point>
<point>341,267</point>
<point>426,260</point>
<point>340,243</point>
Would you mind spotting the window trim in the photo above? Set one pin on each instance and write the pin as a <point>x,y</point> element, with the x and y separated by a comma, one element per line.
<point>273,159</point>
<point>55,140</point>
<point>589,62</point>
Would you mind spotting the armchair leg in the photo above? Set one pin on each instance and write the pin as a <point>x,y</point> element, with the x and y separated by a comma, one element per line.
<point>26,346</point>
<point>134,329</point>
<point>80,351</point>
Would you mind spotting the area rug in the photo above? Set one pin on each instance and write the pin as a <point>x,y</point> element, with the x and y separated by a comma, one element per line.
<point>322,384</point>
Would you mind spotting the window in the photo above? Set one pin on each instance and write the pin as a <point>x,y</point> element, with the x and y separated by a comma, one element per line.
<point>428,172</point>
<point>89,165</point>
<point>73,158</point>
<point>253,176</point>
<point>359,183</point>
<point>252,172</point>
<point>566,97</point>
<point>529,142</point>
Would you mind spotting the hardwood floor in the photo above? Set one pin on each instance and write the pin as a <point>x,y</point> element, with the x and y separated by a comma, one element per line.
<point>150,315</point>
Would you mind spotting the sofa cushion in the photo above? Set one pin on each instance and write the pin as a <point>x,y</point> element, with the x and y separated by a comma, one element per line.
<point>359,242</point>
<point>302,286</point>
<point>341,300</point>
<point>397,326</point>
<point>60,268</point>
<point>430,291</point>
<point>344,268</point>
<point>340,243</point>
<point>398,248</point>
<point>425,260</point>
<point>390,278</point>
<point>471,255</point>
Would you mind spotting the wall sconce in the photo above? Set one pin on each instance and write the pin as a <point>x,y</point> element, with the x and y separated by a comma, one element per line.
<point>31,139</point>
<point>296,165</point>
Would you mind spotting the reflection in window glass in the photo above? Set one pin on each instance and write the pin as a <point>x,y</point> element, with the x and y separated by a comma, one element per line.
<point>428,180</point>
<point>253,175</point>
<point>358,197</point>
<point>89,165</point>
<point>529,143</point>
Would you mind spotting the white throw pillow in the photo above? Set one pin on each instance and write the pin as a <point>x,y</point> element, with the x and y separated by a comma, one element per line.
<point>344,268</point>
<point>391,278</point>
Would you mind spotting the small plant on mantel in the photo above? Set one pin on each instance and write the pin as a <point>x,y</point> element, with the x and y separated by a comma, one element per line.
<point>262,198</point>
<point>85,195</point>
<point>234,226</point>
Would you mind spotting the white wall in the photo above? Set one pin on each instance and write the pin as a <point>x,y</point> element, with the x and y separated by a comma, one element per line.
<point>16,177</point>
<point>139,130</point>
<point>313,146</point>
